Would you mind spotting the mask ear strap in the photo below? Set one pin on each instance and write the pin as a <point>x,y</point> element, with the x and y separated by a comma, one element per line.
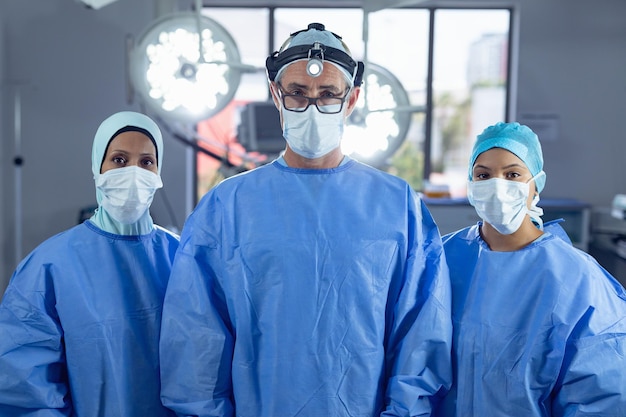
<point>535,212</point>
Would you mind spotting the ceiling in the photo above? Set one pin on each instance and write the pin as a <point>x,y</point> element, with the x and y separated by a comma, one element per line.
<point>369,5</point>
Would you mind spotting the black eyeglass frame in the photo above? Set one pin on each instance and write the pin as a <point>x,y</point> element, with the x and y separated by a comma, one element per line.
<point>311,100</point>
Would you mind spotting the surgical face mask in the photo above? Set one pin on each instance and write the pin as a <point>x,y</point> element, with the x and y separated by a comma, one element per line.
<point>127,192</point>
<point>312,134</point>
<point>500,202</point>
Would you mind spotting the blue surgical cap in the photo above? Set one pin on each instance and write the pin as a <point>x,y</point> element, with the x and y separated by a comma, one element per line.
<point>111,127</point>
<point>517,139</point>
<point>324,37</point>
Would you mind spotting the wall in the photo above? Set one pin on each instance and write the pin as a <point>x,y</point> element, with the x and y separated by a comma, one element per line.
<point>572,55</point>
<point>571,63</point>
<point>72,63</point>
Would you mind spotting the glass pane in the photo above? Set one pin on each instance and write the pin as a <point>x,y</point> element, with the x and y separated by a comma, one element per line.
<point>252,45</point>
<point>218,135</point>
<point>406,57</point>
<point>469,84</point>
<point>346,23</point>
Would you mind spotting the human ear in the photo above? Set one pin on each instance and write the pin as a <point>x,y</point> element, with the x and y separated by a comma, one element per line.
<point>274,93</point>
<point>352,100</point>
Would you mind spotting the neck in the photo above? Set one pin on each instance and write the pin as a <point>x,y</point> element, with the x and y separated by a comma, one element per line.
<point>522,237</point>
<point>330,160</point>
<point>104,221</point>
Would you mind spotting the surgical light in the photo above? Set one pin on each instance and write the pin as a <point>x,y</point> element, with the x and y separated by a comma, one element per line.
<point>186,67</point>
<point>379,124</point>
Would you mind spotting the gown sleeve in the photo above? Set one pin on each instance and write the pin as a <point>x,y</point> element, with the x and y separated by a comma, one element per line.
<point>592,381</point>
<point>33,377</point>
<point>196,343</point>
<point>420,342</point>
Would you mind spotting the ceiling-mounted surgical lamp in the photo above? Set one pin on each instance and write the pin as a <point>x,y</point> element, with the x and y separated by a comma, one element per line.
<point>376,128</point>
<point>186,67</point>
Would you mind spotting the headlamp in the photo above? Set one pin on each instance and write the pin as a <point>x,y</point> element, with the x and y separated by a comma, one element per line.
<point>316,54</point>
<point>315,65</point>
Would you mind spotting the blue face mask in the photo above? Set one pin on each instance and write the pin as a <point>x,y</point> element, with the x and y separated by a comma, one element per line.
<point>312,134</point>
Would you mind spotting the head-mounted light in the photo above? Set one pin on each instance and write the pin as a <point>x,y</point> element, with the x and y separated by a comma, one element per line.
<point>315,64</point>
<point>315,54</point>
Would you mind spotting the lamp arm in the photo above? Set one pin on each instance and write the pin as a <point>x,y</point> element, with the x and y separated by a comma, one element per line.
<point>236,65</point>
<point>191,139</point>
<point>199,30</point>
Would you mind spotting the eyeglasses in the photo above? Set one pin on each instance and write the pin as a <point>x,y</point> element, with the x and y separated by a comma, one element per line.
<point>299,104</point>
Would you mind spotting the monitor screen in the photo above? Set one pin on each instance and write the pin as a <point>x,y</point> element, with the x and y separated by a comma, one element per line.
<point>260,129</point>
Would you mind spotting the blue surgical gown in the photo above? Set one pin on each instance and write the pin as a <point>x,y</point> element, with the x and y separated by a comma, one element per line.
<point>537,332</point>
<point>301,292</point>
<point>80,324</point>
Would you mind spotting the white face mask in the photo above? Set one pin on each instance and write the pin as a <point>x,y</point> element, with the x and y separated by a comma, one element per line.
<point>127,192</point>
<point>500,202</point>
<point>312,134</point>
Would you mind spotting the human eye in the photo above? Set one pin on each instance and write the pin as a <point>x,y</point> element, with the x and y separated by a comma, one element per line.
<point>329,98</point>
<point>513,175</point>
<point>328,94</point>
<point>119,160</point>
<point>481,175</point>
<point>148,162</point>
<point>294,92</point>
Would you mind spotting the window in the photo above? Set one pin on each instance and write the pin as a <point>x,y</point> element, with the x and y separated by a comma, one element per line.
<point>470,77</point>
<point>451,64</point>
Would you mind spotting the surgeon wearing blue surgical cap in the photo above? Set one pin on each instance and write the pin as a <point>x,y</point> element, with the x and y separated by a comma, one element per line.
<point>539,326</point>
<point>80,319</point>
<point>314,285</point>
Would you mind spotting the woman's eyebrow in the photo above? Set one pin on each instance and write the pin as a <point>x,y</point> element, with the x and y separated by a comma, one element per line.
<point>514,165</point>
<point>478,166</point>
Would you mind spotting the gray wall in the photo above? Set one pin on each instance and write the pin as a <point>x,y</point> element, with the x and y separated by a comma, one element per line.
<point>70,64</point>
<point>572,63</point>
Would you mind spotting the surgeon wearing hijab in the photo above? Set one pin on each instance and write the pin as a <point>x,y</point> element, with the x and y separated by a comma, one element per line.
<point>80,318</point>
<point>539,326</point>
<point>314,285</point>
